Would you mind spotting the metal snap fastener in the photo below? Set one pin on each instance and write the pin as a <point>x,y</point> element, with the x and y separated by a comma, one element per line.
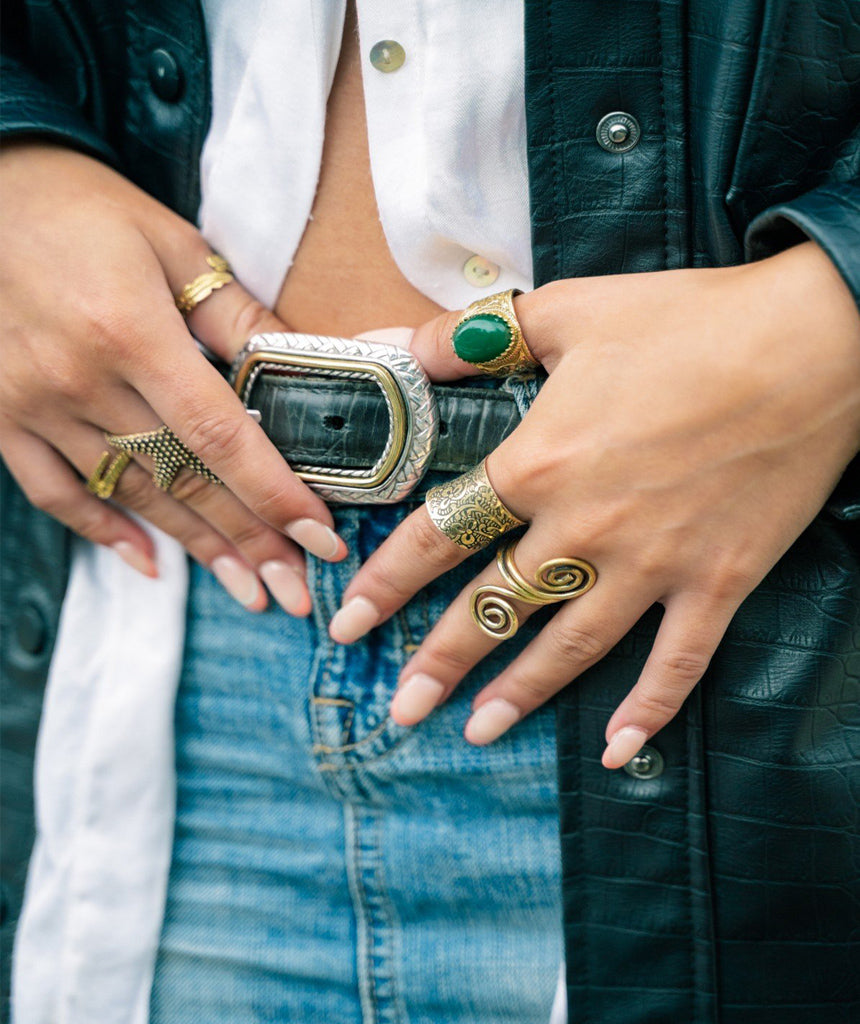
<point>31,629</point>
<point>387,55</point>
<point>618,132</point>
<point>165,75</point>
<point>647,764</point>
<point>480,271</point>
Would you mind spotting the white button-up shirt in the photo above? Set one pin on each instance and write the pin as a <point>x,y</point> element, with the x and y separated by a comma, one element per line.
<point>446,132</point>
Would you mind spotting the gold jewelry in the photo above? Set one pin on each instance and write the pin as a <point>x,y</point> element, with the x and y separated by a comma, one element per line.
<point>204,284</point>
<point>559,579</point>
<point>488,335</point>
<point>107,473</point>
<point>167,452</point>
<point>468,510</point>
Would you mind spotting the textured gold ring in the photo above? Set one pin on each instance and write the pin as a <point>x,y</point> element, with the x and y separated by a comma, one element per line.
<point>559,579</point>
<point>468,510</point>
<point>105,476</point>
<point>168,453</point>
<point>204,284</point>
<point>488,335</point>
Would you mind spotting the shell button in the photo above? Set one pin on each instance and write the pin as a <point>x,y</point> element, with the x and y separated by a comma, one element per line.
<point>618,132</point>
<point>480,272</point>
<point>647,764</point>
<point>165,75</point>
<point>387,55</point>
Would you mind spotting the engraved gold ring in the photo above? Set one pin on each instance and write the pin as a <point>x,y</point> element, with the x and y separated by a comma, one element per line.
<point>204,284</point>
<point>468,510</point>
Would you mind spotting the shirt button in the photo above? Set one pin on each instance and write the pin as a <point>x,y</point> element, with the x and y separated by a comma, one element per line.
<point>480,271</point>
<point>387,55</point>
<point>647,764</point>
<point>31,629</point>
<point>165,75</point>
<point>618,132</point>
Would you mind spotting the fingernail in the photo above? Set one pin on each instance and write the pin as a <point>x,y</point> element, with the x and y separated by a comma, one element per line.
<point>491,720</point>
<point>314,537</point>
<point>286,586</point>
<point>416,698</point>
<point>238,580</point>
<point>353,620</point>
<point>624,744</point>
<point>136,558</point>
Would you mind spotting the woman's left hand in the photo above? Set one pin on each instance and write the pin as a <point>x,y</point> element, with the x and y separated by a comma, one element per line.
<point>693,424</point>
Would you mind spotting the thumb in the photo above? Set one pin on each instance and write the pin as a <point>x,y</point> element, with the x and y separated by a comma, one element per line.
<point>433,342</point>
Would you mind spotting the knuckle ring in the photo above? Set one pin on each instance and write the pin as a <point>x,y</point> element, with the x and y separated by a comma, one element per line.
<point>204,284</point>
<point>105,476</point>
<point>559,579</point>
<point>468,510</point>
<point>488,335</point>
<point>165,449</point>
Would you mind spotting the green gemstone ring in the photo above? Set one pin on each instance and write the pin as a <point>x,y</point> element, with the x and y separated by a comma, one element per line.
<point>488,335</point>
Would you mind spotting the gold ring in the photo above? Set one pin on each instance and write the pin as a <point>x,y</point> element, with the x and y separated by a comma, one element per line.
<point>559,579</point>
<point>168,453</point>
<point>468,510</point>
<point>106,475</point>
<point>204,284</point>
<point>488,335</point>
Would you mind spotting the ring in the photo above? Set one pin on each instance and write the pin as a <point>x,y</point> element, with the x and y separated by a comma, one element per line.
<point>468,510</point>
<point>204,284</point>
<point>168,453</point>
<point>559,579</point>
<point>488,335</point>
<point>107,473</point>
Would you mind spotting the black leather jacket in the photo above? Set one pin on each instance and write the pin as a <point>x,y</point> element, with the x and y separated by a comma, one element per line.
<point>716,881</point>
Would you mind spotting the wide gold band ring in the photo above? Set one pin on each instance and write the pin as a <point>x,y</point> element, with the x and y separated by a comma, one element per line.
<point>204,284</point>
<point>488,335</point>
<point>468,510</point>
<point>165,449</point>
<point>559,579</point>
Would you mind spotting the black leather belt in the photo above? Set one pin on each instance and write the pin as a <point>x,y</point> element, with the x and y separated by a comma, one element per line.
<point>338,409</point>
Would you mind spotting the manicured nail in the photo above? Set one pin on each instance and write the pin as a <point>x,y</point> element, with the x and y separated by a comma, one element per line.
<point>356,618</point>
<point>491,720</point>
<point>314,537</point>
<point>136,558</point>
<point>416,698</point>
<point>237,579</point>
<point>626,743</point>
<point>287,587</point>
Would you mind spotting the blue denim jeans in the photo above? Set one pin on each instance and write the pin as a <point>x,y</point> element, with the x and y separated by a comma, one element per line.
<point>330,865</point>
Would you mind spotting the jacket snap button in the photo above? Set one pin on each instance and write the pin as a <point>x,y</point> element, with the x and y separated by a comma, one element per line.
<point>165,75</point>
<point>31,630</point>
<point>618,132</point>
<point>647,764</point>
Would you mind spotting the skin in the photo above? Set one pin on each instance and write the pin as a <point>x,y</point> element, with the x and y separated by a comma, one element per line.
<point>705,436</point>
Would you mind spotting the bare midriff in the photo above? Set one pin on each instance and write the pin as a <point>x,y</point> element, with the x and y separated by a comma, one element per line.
<point>343,279</point>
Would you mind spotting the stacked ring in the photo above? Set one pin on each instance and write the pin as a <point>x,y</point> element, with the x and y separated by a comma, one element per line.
<point>204,284</point>
<point>488,335</point>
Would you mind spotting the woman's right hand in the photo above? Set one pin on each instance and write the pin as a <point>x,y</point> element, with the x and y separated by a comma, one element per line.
<point>93,342</point>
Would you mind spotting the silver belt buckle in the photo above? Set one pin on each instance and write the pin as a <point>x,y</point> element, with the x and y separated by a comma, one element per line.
<point>406,389</point>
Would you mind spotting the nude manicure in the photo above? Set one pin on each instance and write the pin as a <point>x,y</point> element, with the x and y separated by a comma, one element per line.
<point>416,697</point>
<point>357,617</point>
<point>134,557</point>
<point>626,743</point>
<point>491,720</point>
<point>314,537</point>
<point>287,587</point>
<point>238,580</point>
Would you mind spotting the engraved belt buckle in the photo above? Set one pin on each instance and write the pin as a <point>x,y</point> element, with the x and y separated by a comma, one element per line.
<point>405,387</point>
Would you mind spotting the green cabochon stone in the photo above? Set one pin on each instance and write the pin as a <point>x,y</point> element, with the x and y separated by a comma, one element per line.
<point>481,338</point>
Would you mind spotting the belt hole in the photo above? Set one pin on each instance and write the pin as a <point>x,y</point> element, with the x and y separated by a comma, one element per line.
<point>443,427</point>
<point>335,422</point>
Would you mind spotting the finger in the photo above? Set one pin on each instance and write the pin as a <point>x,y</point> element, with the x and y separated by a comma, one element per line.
<point>432,343</point>
<point>457,643</point>
<point>190,396</point>
<point>691,629</point>
<point>52,486</point>
<point>575,638</point>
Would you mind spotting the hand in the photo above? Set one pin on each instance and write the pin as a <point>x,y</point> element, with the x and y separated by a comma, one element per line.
<point>93,342</point>
<point>694,422</point>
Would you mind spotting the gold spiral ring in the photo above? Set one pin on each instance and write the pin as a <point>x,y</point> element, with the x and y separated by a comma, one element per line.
<point>559,579</point>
